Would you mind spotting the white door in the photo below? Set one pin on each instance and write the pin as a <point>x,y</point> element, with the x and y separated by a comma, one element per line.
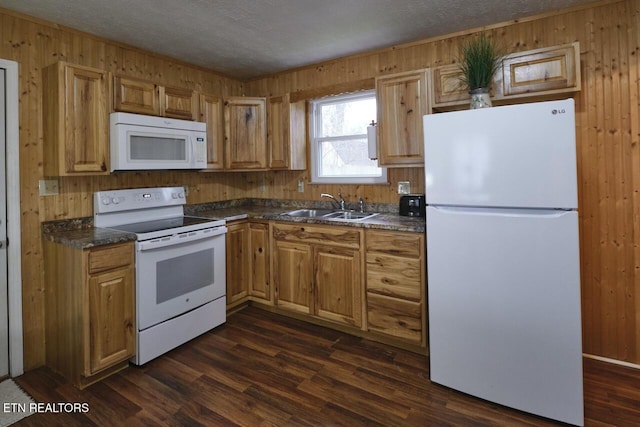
<point>4,319</point>
<point>504,307</point>
<point>519,156</point>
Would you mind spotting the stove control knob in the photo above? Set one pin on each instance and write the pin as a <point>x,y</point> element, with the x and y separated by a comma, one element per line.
<point>115,200</point>
<point>181,195</point>
<point>106,200</point>
<point>174,195</point>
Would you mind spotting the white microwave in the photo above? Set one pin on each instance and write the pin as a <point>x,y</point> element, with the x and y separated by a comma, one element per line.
<point>140,142</point>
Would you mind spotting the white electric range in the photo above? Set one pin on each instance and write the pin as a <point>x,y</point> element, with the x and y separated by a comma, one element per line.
<point>180,265</point>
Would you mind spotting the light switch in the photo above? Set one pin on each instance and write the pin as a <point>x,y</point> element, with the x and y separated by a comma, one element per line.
<point>48,187</point>
<point>404,187</point>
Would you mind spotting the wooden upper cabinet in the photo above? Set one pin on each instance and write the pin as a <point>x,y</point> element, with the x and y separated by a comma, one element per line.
<point>286,133</point>
<point>76,120</point>
<point>245,133</point>
<point>542,70</point>
<point>534,73</point>
<point>144,97</point>
<point>211,112</point>
<point>448,86</point>
<point>178,103</point>
<point>136,96</point>
<point>402,101</point>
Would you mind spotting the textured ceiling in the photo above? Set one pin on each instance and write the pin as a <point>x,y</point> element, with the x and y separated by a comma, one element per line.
<point>250,38</point>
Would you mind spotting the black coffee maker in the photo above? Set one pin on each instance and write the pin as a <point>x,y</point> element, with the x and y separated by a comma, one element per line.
<point>412,205</point>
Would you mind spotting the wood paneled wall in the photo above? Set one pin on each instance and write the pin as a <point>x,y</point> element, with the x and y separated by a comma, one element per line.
<point>35,45</point>
<point>608,128</point>
<point>608,131</point>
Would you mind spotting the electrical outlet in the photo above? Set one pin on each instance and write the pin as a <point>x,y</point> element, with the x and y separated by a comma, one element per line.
<point>404,187</point>
<point>262,187</point>
<point>48,187</point>
<point>300,186</point>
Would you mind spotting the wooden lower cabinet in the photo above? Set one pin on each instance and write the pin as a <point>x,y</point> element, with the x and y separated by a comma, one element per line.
<point>292,273</point>
<point>90,310</point>
<point>396,288</point>
<point>247,253</point>
<point>316,271</point>
<point>238,263</point>
<point>260,283</point>
<point>338,284</point>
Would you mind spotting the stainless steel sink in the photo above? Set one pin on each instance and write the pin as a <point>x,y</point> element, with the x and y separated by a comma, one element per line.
<point>350,216</point>
<point>331,214</point>
<point>309,213</point>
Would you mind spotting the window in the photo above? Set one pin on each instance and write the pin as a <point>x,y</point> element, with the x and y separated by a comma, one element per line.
<point>339,148</point>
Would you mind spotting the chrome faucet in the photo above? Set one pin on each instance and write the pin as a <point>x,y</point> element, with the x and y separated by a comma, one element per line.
<point>361,205</point>
<point>339,203</point>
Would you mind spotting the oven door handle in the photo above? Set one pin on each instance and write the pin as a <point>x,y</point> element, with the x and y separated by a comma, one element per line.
<point>179,239</point>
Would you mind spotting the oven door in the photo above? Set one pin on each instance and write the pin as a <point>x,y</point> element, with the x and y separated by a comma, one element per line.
<point>179,273</point>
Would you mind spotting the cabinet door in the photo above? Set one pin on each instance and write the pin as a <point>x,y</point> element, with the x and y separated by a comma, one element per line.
<point>448,86</point>
<point>76,122</point>
<point>292,276</point>
<point>238,263</point>
<point>245,133</point>
<point>548,70</point>
<point>178,103</point>
<point>338,285</point>
<point>111,318</point>
<point>136,96</point>
<point>286,133</point>
<point>259,284</point>
<point>211,113</point>
<point>402,101</point>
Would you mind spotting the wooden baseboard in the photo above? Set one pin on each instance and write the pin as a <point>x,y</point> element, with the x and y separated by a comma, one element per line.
<point>612,361</point>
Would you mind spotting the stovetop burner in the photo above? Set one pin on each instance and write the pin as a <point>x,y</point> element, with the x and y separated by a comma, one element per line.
<point>149,213</point>
<point>161,224</point>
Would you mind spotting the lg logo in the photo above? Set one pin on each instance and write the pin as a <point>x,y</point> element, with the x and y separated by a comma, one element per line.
<point>554,112</point>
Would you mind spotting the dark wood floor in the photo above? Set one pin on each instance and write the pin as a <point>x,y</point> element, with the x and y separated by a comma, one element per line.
<point>261,369</point>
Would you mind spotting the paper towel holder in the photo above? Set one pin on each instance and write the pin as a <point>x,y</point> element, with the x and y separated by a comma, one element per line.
<point>372,140</point>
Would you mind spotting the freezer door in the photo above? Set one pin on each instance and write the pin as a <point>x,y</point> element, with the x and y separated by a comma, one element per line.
<point>513,156</point>
<point>504,308</point>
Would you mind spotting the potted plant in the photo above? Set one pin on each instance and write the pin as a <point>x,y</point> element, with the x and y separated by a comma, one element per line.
<point>480,60</point>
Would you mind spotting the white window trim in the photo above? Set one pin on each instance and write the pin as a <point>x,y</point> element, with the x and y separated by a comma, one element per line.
<point>315,123</point>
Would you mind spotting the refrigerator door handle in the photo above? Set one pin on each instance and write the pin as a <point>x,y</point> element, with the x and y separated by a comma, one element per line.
<point>505,212</point>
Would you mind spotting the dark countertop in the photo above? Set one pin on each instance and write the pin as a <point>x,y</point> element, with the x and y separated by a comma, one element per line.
<point>80,232</point>
<point>84,238</point>
<point>382,221</point>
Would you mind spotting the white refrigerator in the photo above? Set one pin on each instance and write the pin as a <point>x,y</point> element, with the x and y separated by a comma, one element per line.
<point>503,262</point>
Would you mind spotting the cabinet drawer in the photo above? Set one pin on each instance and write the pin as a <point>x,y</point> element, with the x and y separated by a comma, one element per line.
<point>110,257</point>
<point>395,317</point>
<point>394,276</point>
<point>329,235</point>
<point>395,243</point>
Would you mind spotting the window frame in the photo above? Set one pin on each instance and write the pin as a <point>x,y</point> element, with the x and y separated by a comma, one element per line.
<point>315,141</point>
